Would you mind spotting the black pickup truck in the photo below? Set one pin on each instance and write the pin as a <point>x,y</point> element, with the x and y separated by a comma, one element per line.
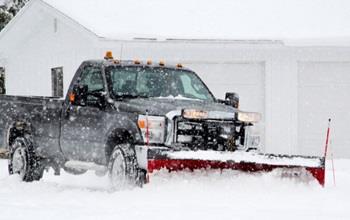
<point>113,111</point>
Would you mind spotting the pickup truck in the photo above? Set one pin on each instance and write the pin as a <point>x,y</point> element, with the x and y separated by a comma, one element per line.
<point>114,111</point>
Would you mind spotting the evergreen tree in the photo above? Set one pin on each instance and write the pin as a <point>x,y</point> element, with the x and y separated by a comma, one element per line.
<point>8,9</point>
<point>5,17</point>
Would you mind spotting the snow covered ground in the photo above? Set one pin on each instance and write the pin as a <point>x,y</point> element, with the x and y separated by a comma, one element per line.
<point>199,195</point>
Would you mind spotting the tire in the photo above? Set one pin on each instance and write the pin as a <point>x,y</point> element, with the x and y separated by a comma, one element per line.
<point>24,162</point>
<point>123,168</point>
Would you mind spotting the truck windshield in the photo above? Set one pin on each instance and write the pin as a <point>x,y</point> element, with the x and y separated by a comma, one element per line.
<point>157,82</point>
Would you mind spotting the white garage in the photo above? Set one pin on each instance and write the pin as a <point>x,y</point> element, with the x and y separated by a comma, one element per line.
<point>324,92</point>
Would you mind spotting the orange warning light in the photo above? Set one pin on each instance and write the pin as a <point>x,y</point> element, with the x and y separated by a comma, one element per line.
<point>109,55</point>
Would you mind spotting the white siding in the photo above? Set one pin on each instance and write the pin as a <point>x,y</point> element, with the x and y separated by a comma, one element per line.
<point>33,46</point>
<point>324,91</point>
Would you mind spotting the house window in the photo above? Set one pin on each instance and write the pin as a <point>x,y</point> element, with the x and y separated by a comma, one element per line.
<point>57,81</point>
<point>2,81</point>
<point>55,25</point>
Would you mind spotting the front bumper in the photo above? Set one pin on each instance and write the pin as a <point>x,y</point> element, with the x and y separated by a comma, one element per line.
<point>153,158</point>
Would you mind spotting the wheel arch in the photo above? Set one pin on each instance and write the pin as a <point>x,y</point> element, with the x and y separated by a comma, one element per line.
<point>19,128</point>
<point>118,136</point>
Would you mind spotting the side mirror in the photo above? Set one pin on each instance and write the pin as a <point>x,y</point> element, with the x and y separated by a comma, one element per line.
<point>232,99</point>
<point>79,95</point>
<point>96,99</point>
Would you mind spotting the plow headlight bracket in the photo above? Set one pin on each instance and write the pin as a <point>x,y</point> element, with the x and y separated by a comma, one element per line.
<point>152,128</point>
<point>249,117</point>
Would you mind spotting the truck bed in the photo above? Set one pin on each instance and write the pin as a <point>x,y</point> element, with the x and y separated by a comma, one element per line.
<point>43,113</point>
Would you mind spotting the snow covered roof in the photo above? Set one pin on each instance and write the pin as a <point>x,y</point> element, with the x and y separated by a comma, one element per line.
<point>208,19</point>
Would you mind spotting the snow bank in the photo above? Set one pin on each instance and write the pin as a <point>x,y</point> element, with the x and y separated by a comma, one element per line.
<point>198,195</point>
<point>206,19</point>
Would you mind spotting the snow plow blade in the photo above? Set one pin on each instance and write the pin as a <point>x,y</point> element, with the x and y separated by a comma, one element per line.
<point>160,158</point>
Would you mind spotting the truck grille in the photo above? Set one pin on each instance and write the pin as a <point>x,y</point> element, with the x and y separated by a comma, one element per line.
<point>205,134</point>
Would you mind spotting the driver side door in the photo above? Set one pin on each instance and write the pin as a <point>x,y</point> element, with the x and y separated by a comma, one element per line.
<point>83,124</point>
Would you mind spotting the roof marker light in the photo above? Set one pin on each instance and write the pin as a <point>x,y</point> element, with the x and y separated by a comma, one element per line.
<point>149,62</point>
<point>179,65</point>
<point>137,62</point>
<point>161,63</point>
<point>109,55</point>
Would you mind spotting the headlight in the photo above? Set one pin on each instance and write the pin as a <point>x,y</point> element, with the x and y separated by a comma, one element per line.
<point>152,128</point>
<point>249,116</point>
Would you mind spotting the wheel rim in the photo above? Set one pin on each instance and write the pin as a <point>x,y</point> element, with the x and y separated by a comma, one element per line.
<point>118,172</point>
<point>19,161</point>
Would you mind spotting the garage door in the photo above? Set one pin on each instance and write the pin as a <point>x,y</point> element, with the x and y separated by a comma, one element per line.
<point>246,79</point>
<point>324,91</point>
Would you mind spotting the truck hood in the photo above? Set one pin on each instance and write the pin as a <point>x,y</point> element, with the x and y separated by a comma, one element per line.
<point>163,106</point>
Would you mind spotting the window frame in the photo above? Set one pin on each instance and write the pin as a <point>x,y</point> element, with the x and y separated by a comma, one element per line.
<point>57,82</point>
<point>77,80</point>
<point>96,67</point>
<point>3,79</point>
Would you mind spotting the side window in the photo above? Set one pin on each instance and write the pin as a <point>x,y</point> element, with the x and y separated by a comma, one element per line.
<point>2,81</point>
<point>92,77</point>
<point>57,81</point>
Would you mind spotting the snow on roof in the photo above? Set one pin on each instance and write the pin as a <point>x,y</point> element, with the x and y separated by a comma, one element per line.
<point>208,19</point>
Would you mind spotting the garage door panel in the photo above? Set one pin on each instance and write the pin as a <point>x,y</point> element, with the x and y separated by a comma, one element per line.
<point>323,92</point>
<point>246,79</point>
<point>325,73</point>
<point>315,146</point>
<point>248,101</point>
<point>224,73</point>
<point>335,96</point>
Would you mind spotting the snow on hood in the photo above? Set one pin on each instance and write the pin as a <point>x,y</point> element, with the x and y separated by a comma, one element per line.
<point>206,19</point>
<point>179,97</point>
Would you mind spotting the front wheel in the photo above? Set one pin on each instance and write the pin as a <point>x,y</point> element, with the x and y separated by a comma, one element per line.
<point>123,168</point>
<point>23,161</point>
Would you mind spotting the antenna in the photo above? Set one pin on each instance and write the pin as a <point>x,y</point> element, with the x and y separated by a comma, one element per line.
<point>121,51</point>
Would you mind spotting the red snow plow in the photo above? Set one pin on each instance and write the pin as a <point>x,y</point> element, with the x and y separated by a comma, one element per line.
<point>176,158</point>
<point>206,140</point>
<point>291,166</point>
